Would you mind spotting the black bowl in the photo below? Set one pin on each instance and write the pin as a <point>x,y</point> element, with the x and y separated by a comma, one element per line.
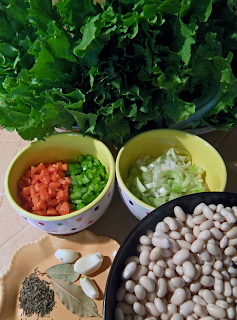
<point>129,246</point>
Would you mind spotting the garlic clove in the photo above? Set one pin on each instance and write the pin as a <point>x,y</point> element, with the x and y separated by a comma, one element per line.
<point>66,255</point>
<point>89,263</point>
<point>89,287</point>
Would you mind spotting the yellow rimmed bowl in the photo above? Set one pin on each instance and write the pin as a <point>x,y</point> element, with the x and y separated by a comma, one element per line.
<point>154,143</point>
<point>61,147</point>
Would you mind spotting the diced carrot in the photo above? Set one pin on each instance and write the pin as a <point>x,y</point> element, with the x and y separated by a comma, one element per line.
<point>33,170</point>
<point>44,194</point>
<point>44,189</point>
<point>40,167</point>
<point>54,185</point>
<point>64,208</point>
<point>46,179</point>
<point>28,173</point>
<point>52,211</point>
<point>21,184</point>
<point>65,166</point>
<point>52,193</point>
<point>27,180</point>
<point>41,212</point>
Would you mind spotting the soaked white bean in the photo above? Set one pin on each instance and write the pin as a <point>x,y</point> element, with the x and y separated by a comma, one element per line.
<point>129,270</point>
<point>139,309</point>
<point>189,261</point>
<point>197,245</point>
<point>171,222</point>
<point>147,283</point>
<point>179,213</point>
<point>145,240</point>
<point>140,291</point>
<point>155,253</point>
<point>151,309</point>
<point>161,242</point>
<point>118,314</point>
<point>216,311</point>
<point>181,256</point>
<point>178,297</point>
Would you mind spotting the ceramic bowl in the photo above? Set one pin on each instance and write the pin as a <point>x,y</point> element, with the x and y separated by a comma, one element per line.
<point>129,246</point>
<point>64,147</point>
<point>154,143</point>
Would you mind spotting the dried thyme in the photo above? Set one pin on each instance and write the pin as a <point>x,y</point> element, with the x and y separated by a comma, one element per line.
<point>36,297</point>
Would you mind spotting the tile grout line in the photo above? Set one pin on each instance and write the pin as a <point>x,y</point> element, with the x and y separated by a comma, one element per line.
<point>12,238</point>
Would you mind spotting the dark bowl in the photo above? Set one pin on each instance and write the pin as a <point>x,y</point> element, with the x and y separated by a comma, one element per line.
<point>129,246</point>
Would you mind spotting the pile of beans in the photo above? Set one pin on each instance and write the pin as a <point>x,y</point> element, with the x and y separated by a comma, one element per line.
<point>185,268</point>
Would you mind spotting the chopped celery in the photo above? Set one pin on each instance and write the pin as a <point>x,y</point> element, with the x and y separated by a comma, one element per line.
<point>88,179</point>
<point>172,175</point>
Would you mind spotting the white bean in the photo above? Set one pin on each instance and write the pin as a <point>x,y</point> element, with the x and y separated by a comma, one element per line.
<point>216,312</point>
<point>197,245</point>
<point>147,283</point>
<point>186,308</point>
<point>126,308</point>
<point>229,216</point>
<point>129,270</point>
<point>162,287</point>
<point>140,291</point>
<point>139,309</point>
<point>172,223</point>
<point>130,298</point>
<point>178,297</point>
<point>144,258</point>
<point>189,269</point>
<point>181,256</point>
<point>160,305</point>
<point>129,285</point>
<point>179,213</point>
<point>161,242</point>
<point>151,308</point>
<point>155,253</point>
<point>118,314</point>
<point>200,310</point>
<point>145,240</point>
<point>208,296</point>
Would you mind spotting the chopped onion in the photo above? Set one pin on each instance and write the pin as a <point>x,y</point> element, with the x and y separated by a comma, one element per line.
<point>172,175</point>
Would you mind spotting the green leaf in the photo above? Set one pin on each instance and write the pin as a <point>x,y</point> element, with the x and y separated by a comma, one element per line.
<point>64,272</point>
<point>74,299</point>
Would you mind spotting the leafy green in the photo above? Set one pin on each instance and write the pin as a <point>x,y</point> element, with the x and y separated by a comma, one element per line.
<point>117,68</point>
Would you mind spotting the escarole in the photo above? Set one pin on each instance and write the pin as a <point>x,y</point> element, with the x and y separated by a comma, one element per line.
<point>117,68</point>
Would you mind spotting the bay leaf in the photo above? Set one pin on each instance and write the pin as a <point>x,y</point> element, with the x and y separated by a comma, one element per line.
<point>74,299</point>
<point>63,271</point>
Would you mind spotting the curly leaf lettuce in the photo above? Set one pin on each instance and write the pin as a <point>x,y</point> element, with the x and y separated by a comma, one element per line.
<point>118,67</point>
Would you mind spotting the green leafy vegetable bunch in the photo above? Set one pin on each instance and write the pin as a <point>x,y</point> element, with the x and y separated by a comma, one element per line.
<point>117,68</point>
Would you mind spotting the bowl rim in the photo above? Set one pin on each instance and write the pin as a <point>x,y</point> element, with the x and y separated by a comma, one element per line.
<point>182,132</point>
<point>33,216</point>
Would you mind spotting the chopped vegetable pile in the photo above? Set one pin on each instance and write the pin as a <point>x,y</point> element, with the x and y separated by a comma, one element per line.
<point>60,188</point>
<point>172,175</point>
<point>118,68</point>
<point>88,179</point>
<point>44,189</point>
